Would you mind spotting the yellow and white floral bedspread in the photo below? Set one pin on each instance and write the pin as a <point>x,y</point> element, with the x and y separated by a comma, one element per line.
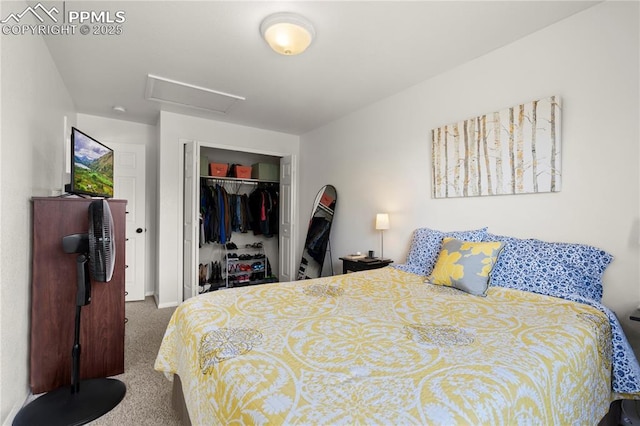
<point>383,347</point>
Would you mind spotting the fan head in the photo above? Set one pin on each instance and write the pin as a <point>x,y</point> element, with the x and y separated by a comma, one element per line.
<point>102,248</point>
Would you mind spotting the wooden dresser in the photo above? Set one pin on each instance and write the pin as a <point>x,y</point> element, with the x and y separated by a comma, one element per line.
<point>53,298</point>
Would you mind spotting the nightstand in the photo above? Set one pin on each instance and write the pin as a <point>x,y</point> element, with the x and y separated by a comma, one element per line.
<point>365,264</point>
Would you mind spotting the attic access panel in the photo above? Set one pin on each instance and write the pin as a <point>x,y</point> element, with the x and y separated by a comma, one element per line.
<point>175,92</point>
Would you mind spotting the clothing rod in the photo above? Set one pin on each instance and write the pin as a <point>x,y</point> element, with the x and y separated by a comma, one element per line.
<point>237,180</point>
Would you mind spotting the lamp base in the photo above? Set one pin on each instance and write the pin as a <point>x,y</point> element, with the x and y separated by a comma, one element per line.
<point>62,408</point>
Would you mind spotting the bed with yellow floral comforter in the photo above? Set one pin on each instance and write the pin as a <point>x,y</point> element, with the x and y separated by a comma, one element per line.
<point>383,347</point>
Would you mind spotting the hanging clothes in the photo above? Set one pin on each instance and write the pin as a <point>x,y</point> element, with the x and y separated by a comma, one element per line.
<point>263,208</point>
<point>239,213</point>
<point>215,212</point>
<point>223,213</point>
<point>246,214</point>
<point>222,208</point>
<point>274,213</point>
<point>209,213</point>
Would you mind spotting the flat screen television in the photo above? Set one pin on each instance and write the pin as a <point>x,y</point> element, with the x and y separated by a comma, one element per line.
<point>91,166</point>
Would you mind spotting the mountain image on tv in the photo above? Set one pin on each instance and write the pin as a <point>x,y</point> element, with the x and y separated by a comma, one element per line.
<point>93,167</point>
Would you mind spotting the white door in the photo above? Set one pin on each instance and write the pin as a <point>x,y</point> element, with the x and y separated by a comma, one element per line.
<point>287,220</point>
<point>129,184</point>
<point>191,223</point>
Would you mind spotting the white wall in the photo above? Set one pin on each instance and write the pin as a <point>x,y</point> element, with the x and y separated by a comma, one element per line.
<point>379,157</point>
<point>108,130</point>
<point>34,103</point>
<point>176,127</point>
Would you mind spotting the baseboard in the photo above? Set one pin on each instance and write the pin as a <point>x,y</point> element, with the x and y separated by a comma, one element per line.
<point>164,305</point>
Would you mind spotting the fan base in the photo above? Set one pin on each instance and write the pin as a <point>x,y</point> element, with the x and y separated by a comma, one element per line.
<point>62,408</point>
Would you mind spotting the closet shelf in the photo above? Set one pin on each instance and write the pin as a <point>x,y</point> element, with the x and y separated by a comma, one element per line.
<point>238,180</point>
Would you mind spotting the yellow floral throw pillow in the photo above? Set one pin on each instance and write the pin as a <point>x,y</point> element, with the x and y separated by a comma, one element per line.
<point>465,265</point>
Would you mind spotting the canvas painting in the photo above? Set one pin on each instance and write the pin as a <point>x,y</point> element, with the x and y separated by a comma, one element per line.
<point>512,151</point>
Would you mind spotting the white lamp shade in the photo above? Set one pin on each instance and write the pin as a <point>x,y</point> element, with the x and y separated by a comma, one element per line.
<point>382,221</point>
<point>287,33</point>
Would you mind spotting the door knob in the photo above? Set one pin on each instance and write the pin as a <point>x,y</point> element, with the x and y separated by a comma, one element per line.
<point>139,230</point>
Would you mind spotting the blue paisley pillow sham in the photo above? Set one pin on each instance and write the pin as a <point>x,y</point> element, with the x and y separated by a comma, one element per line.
<point>426,245</point>
<point>553,269</point>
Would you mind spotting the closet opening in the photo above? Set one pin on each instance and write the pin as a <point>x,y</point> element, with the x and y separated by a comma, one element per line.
<point>234,232</point>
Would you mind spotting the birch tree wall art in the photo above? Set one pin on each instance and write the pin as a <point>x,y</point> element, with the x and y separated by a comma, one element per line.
<point>512,151</point>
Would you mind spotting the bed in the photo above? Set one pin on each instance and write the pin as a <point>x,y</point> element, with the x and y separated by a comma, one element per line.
<point>391,346</point>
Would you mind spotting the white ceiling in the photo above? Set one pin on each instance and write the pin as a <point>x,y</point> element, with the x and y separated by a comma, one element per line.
<point>364,51</point>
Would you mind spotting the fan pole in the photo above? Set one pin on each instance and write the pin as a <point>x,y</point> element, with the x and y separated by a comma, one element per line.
<point>75,355</point>
<point>83,297</point>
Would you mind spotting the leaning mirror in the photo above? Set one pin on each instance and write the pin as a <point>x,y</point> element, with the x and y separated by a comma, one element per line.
<point>315,246</point>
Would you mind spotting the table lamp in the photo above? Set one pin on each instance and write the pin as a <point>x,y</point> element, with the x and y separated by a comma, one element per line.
<point>382,223</point>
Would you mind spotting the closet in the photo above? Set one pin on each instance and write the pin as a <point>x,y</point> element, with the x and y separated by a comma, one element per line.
<point>236,230</point>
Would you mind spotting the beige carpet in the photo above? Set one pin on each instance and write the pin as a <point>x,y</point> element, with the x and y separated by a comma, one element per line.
<point>148,398</point>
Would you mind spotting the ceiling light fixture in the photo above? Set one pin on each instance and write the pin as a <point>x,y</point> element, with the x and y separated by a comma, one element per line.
<point>287,33</point>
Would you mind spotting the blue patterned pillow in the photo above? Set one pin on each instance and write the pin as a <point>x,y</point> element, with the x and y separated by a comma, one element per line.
<point>548,268</point>
<point>426,245</point>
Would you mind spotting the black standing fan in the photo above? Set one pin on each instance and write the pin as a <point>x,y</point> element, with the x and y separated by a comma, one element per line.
<point>96,397</point>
